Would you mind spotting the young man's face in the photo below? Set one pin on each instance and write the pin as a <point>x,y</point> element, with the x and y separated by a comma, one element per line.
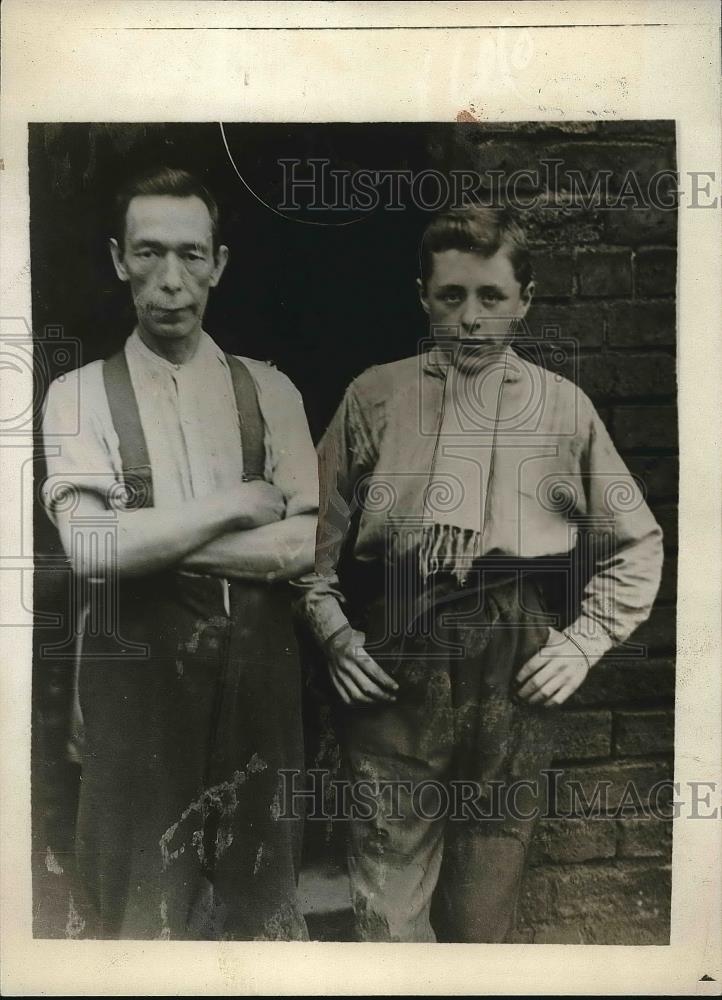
<point>169,262</point>
<point>474,299</point>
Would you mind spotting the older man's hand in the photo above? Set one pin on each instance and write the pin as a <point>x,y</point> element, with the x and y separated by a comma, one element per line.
<point>259,503</point>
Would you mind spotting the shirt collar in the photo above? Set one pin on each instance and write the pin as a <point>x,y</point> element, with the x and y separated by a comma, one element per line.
<point>437,361</point>
<point>206,349</point>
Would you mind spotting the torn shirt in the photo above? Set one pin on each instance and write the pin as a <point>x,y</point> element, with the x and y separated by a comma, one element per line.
<point>511,461</point>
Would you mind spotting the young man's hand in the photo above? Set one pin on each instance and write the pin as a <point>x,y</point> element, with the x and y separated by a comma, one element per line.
<point>357,677</point>
<point>554,673</point>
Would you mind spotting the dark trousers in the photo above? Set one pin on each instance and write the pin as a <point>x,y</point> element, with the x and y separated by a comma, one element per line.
<point>178,833</point>
<point>445,871</point>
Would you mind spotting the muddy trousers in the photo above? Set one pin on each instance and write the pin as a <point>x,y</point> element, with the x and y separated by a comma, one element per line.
<point>190,711</point>
<point>455,767</point>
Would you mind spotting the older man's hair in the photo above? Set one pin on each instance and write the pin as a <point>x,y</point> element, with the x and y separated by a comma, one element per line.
<point>171,181</point>
<point>477,229</point>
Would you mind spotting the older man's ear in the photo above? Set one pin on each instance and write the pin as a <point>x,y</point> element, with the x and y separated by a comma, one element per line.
<point>116,254</point>
<point>220,260</point>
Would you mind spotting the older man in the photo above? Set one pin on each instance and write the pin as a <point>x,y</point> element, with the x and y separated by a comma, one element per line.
<point>185,500</point>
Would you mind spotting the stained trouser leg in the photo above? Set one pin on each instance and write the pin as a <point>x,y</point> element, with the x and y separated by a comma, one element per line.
<point>147,721</point>
<point>504,746</point>
<point>394,862</point>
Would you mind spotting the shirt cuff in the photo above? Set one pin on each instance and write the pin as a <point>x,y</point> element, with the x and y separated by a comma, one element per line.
<point>590,638</point>
<point>324,616</point>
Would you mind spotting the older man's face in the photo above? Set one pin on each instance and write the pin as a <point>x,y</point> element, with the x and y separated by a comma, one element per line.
<point>168,260</point>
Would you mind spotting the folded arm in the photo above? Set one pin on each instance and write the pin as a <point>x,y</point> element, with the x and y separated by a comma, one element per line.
<point>280,551</point>
<point>99,541</point>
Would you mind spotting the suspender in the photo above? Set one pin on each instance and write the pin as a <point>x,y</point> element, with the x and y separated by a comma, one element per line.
<point>126,420</point>
<point>250,417</point>
<point>137,473</point>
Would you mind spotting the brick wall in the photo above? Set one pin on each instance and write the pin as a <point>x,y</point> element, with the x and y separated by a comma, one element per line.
<point>608,280</point>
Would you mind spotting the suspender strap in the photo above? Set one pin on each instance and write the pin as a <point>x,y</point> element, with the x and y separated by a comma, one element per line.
<point>133,449</point>
<point>126,420</point>
<point>251,419</point>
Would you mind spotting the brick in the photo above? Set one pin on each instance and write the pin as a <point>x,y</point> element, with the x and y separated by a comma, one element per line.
<point>562,227</point>
<point>655,272</point>
<point>628,376</point>
<point>649,837</point>
<point>519,935</point>
<point>620,902</point>
<point>584,734</point>
<point>595,160</point>
<point>633,681</point>
<point>535,898</point>
<point>566,841</point>
<point>486,154</point>
<point>553,274</point>
<point>642,733</point>
<point>658,633</point>
<point>641,324</point>
<point>578,784</point>
<point>645,427</point>
<point>602,891</point>
<point>633,226</point>
<point>604,273</point>
<point>582,323</point>
<point>667,520</point>
<point>624,930</point>
<point>661,129</point>
<point>580,222</point>
<point>659,473</point>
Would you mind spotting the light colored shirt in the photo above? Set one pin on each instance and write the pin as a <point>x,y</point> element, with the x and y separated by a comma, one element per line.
<point>190,422</point>
<point>517,470</point>
<point>461,468</point>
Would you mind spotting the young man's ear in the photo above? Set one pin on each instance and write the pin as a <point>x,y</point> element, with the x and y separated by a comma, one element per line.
<point>219,265</point>
<point>422,295</point>
<point>115,253</point>
<point>527,295</point>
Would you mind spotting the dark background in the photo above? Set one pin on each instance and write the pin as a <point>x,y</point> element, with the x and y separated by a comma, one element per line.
<point>324,301</point>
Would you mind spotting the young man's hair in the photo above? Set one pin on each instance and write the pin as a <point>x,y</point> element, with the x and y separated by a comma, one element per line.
<point>477,229</point>
<point>170,181</point>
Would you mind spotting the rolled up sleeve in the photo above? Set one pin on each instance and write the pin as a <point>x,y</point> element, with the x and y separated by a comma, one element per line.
<point>291,461</point>
<point>78,453</point>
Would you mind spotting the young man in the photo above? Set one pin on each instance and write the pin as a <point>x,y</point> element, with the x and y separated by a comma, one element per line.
<point>453,484</point>
<point>185,500</point>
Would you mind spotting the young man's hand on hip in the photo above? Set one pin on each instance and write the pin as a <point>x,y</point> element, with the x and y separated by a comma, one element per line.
<point>554,673</point>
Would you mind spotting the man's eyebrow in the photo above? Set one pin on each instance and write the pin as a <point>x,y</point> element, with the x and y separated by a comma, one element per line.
<point>142,241</point>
